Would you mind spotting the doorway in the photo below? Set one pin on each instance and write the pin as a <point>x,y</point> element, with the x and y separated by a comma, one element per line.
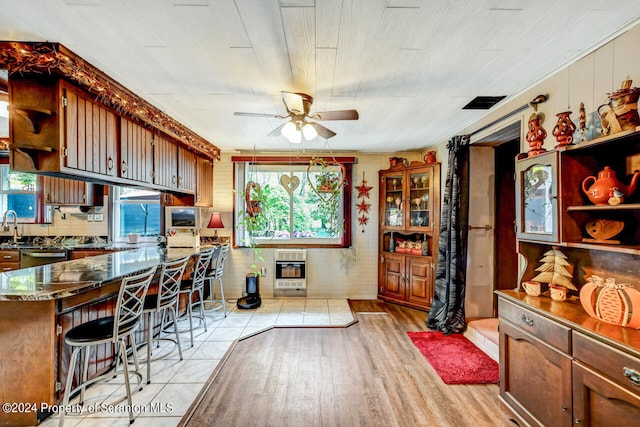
<point>492,261</point>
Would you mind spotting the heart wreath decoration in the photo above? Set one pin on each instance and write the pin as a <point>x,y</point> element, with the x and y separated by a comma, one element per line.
<point>330,182</point>
<point>290,183</point>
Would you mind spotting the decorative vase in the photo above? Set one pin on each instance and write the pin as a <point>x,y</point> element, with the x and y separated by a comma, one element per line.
<point>392,244</point>
<point>618,304</point>
<point>430,158</point>
<point>606,186</point>
<point>563,131</point>
<point>536,135</point>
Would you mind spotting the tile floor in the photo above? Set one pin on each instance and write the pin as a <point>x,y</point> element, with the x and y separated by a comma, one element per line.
<point>175,384</point>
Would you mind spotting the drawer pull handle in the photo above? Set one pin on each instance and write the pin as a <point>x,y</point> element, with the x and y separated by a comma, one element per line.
<point>632,374</point>
<point>527,320</point>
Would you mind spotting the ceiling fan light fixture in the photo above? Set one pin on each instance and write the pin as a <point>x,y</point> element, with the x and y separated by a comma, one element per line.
<point>309,131</point>
<point>296,136</point>
<point>289,130</point>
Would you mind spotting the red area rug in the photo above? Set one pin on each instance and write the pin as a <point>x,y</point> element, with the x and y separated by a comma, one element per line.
<point>455,359</point>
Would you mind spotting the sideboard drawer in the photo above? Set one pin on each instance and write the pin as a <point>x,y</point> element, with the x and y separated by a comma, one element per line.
<point>621,367</point>
<point>546,329</point>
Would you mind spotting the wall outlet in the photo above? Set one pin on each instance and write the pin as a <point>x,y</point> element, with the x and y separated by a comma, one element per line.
<point>90,217</point>
<point>263,271</point>
<point>98,217</point>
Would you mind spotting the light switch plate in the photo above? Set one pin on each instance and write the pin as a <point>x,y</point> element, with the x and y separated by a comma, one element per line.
<point>98,217</point>
<point>90,217</point>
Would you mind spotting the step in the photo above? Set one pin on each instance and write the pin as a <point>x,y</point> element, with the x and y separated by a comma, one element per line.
<point>484,334</point>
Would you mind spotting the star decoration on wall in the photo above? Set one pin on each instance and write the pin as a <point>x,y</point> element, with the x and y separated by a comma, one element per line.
<point>363,206</point>
<point>363,190</point>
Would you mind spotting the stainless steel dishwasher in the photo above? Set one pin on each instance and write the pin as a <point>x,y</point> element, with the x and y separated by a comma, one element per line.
<point>34,257</point>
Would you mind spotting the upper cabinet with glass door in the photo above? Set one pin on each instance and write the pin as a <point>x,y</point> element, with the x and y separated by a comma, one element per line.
<point>537,194</point>
<point>407,198</point>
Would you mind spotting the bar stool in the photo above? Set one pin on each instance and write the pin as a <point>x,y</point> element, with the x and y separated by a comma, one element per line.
<point>113,329</point>
<point>215,272</point>
<point>196,284</point>
<point>162,303</point>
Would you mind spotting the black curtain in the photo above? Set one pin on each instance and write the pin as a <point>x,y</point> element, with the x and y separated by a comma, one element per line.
<point>447,309</point>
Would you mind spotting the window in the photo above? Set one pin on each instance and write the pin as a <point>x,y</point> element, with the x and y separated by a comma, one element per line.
<point>18,193</point>
<point>136,210</point>
<point>294,210</point>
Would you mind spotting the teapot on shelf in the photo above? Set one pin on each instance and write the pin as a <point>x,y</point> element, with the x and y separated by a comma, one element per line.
<point>606,186</point>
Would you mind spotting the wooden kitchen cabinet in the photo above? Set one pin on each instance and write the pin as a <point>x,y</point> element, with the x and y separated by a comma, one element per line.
<point>204,182</point>
<point>165,162</point>
<point>84,253</point>
<point>408,235</point>
<point>90,133</point>
<point>58,129</point>
<point>136,152</point>
<point>186,170</point>
<point>70,192</point>
<point>9,260</point>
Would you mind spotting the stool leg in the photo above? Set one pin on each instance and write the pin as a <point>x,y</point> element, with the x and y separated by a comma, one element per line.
<point>222,301</point>
<point>202,318</point>
<point>67,389</point>
<point>190,314</point>
<point>174,315</point>
<point>149,343</point>
<point>123,353</point>
<point>85,372</point>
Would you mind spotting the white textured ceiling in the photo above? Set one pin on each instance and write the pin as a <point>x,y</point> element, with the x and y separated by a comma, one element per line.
<point>408,66</point>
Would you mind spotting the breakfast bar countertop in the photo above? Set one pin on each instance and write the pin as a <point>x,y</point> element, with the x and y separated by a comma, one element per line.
<point>67,278</point>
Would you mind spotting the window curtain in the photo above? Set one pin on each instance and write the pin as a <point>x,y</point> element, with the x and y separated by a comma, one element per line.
<point>447,309</point>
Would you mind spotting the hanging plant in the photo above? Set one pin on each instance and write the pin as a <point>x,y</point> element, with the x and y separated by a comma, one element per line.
<point>326,180</point>
<point>252,220</point>
<point>253,196</point>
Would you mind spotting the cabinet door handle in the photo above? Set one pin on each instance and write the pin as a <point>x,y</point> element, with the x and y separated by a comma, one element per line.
<point>124,167</point>
<point>527,320</point>
<point>109,163</point>
<point>632,374</point>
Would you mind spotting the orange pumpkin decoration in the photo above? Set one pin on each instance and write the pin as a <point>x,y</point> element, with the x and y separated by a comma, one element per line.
<point>618,304</point>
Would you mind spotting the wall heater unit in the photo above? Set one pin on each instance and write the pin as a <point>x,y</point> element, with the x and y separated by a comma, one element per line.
<point>291,269</point>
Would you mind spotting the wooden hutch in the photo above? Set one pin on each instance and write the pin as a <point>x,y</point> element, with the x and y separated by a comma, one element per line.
<point>558,365</point>
<point>408,234</point>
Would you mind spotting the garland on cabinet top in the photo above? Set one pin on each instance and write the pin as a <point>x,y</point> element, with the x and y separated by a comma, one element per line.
<point>54,58</point>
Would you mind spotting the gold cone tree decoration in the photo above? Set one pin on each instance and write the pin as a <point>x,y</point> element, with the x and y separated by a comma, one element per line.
<point>554,270</point>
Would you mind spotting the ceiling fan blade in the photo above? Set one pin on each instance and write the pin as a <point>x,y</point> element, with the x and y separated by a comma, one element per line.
<point>271,116</point>
<point>323,131</point>
<point>277,131</point>
<point>293,102</point>
<point>336,115</point>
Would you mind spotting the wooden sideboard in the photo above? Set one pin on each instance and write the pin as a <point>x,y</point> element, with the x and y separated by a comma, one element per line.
<point>561,367</point>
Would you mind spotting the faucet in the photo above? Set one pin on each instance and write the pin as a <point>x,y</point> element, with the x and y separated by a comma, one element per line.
<point>5,226</point>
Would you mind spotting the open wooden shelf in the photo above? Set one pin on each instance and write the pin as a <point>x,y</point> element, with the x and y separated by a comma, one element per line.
<point>622,207</point>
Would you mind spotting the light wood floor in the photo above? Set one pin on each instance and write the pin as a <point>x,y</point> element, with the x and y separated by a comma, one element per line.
<point>368,374</point>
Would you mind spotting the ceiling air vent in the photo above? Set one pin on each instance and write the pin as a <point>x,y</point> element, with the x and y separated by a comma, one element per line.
<point>483,102</point>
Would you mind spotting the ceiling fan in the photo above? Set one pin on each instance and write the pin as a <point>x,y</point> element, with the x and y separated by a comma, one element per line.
<point>298,107</point>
